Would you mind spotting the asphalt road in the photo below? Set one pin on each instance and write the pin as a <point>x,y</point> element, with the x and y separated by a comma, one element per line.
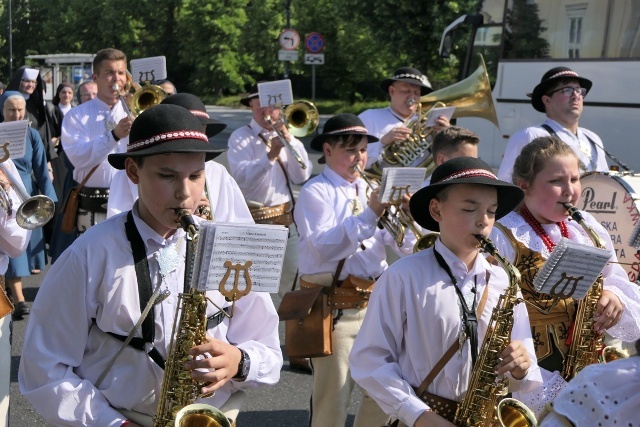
<point>285,404</point>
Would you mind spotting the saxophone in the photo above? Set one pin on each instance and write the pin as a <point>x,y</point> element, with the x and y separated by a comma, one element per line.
<point>179,390</point>
<point>586,342</point>
<point>480,407</point>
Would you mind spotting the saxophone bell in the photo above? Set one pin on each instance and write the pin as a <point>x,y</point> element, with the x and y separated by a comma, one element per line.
<point>513,413</point>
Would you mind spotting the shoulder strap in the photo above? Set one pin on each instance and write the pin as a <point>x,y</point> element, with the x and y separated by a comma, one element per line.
<point>437,368</point>
<point>86,178</point>
<point>143,276</point>
<point>548,129</point>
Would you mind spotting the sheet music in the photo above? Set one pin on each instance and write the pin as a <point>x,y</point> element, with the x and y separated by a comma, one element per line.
<point>149,69</point>
<point>276,93</point>
<point>15,133</point>
<point>571,269</point>
<point>263,245</point>
<point>434,113</point>
<point>399,181</point>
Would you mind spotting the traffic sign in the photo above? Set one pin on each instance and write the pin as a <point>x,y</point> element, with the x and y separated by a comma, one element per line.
<point>314,58</point>
<point>289,39</point>
<point>314,43</point>
<point>287,55</point>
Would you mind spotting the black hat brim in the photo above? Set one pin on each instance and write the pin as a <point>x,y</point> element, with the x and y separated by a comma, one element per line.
<point>542,88</point>
<point>214,126</point>
<point>318,141</point>
<point>245,101</point>
<point>509,197</point>
<point>117,160</point>
<point>424,89</point>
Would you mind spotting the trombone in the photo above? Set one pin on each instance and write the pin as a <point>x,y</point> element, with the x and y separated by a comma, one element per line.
<point>33,212</point>
<point>302,119</point>
<point>143,97</point>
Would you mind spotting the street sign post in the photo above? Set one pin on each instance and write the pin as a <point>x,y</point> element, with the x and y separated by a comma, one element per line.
<point>289,39</point>
<point>313,44</point>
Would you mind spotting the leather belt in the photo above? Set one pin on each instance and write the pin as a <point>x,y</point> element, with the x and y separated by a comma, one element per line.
<point>93,199</point>
<point>353,292</point>
<point>279,214</point>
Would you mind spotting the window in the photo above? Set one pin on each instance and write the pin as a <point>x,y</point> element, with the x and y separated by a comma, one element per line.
<point>575,14</point>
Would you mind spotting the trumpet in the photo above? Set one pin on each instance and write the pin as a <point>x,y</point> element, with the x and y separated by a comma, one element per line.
<point>270,122</point>
<point>33,212</point>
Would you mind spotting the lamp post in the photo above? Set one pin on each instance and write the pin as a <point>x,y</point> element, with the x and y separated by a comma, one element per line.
<point>288,25</point>
<point>10,42</point>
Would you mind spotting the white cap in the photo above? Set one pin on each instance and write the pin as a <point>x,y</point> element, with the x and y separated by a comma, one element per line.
<point>30,74</point>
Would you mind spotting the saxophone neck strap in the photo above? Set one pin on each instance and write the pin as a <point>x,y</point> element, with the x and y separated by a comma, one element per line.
<point>469,316</point>
<point>143,276</point>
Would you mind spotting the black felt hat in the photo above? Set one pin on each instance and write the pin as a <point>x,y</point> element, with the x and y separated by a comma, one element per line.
<point>549,79</point>
<point>162,129</point>
<point>197,108</point>
<point>462,170</point>
<point>253,93</point>
<point>408,75</point>
<point>341,124</point>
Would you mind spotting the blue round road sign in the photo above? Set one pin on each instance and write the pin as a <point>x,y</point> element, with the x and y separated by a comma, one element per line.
<point>314,43</point>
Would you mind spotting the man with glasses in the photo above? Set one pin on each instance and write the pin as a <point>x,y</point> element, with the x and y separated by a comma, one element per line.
<point>560,95</point>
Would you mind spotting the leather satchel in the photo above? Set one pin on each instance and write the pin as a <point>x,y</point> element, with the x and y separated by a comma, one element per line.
<point>308,316</point>
<point>6,306</point>
<point>70,208</point>
<point>308,323</point>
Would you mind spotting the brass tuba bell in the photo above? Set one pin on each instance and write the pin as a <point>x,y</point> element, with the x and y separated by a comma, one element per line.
<point>302,118</point>
<point>472,96</point>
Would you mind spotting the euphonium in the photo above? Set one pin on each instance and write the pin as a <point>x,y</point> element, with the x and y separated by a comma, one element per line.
<point>471,97</point>
<point>585,342</point>
<point>33,212</point>
<point>179,390</point>
<point>480,406</point>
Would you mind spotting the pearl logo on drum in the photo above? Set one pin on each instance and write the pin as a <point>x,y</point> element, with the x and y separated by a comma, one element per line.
<point>590,202</point>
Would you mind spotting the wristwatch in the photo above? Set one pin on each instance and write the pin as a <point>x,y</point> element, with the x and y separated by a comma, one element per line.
<point>243,366</point>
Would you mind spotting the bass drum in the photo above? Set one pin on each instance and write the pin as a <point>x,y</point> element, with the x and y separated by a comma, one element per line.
<point>613,199</point>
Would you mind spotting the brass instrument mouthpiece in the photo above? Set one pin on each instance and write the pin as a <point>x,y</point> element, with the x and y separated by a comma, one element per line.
<point>410,102</point>
<point>116,87</point>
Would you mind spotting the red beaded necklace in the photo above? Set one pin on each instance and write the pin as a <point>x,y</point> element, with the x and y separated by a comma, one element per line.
<point>537,227</point>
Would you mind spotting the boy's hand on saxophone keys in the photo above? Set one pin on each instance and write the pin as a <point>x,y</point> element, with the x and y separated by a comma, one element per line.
<point>218,363</point>
<point>515,359</point>
<point>608,312</point>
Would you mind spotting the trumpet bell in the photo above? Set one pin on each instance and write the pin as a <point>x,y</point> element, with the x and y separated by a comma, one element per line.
<point>145,97</point>
<point>472,97</point>
<point>35,212</point>
<point>302,118</point>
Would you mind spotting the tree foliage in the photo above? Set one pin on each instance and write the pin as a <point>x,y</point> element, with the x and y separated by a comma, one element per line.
<point>216,47</point>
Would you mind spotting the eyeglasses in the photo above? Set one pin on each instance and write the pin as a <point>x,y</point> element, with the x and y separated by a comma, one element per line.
<point>569,90</point>
<point>29,82</point>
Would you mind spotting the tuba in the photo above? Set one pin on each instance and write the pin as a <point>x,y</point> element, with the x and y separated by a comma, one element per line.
<point>586,342</point>
<point>480,406</point>
<point>179,390</point>
<point>472,98</point>
<point>33,212</point>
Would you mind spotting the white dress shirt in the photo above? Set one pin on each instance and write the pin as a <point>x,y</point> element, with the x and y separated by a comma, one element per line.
<point>225,198</point>
<point>13,238</point>
<point>379,122</point>
<point>330,232</point>
<point>93,288</point>
<point>592,155</point>
<point>260,179</point>
<point>413,318</point>
<point>87,140</point>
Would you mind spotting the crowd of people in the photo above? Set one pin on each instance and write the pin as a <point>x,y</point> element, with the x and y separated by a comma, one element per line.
<point>412,334</point>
